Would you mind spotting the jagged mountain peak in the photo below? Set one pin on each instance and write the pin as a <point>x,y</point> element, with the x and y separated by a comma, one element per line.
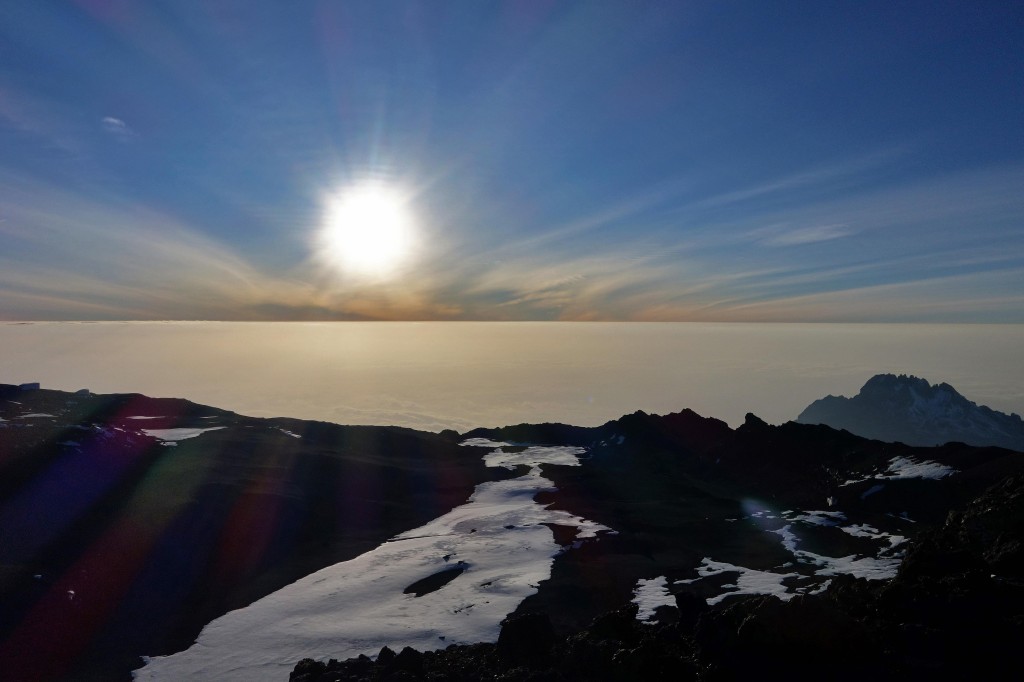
<point>909,409</point>
<point>904,384</point>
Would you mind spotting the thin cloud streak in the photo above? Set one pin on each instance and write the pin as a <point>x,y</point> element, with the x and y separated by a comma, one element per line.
<point>964,298</point>
<point>807,235</point>
<point>850,171</point>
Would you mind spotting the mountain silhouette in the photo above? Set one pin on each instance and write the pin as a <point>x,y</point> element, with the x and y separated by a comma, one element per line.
<point>906,409</point>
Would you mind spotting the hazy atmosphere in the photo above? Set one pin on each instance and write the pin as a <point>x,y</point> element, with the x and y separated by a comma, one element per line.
<point>464,375</point>
<point>750,161</point>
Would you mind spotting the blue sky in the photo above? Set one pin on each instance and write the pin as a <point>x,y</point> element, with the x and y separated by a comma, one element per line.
<point>833,161</point>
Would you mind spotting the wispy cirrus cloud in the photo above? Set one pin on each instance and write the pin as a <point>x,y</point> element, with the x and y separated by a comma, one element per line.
<point>117,128</point>
<point>31,116</point>
<point>75,255</point>
<point>973,297</point>
<point>802,235</point>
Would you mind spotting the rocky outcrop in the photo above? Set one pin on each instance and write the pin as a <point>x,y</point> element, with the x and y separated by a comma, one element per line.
<point>128,523</point>
<point>679,488</point>
<point>909,410</point>
<point>939,619</point>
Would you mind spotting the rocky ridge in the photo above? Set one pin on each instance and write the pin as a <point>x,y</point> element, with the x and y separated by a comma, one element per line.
<point>131,522</point>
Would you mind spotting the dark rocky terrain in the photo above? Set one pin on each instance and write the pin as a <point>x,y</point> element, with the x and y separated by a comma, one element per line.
<point>955,611</point>
<point>680,486</point>
<point>779,545</point>
<point>909,410</point>
<point>116,544</point>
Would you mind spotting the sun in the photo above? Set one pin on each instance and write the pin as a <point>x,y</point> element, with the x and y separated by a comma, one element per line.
<point>368,230</point>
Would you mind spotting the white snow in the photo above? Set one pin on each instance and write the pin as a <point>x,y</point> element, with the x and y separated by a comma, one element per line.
<point>33,415</point>
<point>358,606</point>
<point>649,594</point>
<point>861,530</point>
<point>290,433</point>
<point>178,434</point>
<point>566,456</point>
<point>750,581</point>
<point>904,468</point>
<point>816,518</point>
<point>865,531</point>
<point>882,567</point>
<point>145,417</point>
<point>789,538</point>
<point>483,443</point>
<point>870,568</point>
<point>908,467</point>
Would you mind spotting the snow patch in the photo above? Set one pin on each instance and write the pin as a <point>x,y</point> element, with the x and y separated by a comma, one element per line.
<point>869,568</point>
<point>789,538</point>
<point>178,434</point>
<point>881,567</point>
<point>908,467</point>
<point>816,518</point>
<point>865,531</point>
<point>534,456</point>
<point>484,443</point>
<point>749,581</point>
<point>651,594</point>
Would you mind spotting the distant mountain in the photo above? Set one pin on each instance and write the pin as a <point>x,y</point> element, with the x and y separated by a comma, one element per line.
<point>909,410</point>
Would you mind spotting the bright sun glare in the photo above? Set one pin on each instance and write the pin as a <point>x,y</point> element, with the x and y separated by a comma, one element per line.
<point>368,230</point>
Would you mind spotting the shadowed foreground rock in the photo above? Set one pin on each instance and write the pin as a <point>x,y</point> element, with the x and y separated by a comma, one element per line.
<point>955,611</point>
<point>122,537</point>
<point>615,647</point>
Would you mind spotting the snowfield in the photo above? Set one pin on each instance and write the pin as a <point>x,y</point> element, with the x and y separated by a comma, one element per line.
<point>498,539</point>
